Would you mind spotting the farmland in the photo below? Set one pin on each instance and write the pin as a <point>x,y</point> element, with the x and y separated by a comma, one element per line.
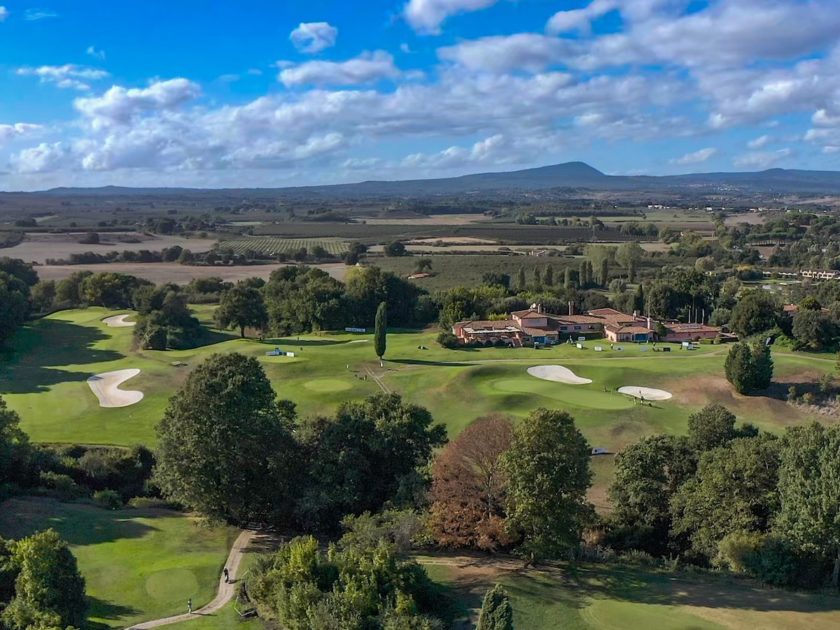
<point>271,246</point>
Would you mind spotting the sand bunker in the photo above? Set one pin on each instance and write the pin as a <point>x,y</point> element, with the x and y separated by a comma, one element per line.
<point>558,374</point>
<point>106,386</point>
<point>646,393</point>
<point>118,321</point>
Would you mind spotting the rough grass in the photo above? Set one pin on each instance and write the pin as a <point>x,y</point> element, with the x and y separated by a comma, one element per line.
<point>138,564</point>
<point>616,597</point>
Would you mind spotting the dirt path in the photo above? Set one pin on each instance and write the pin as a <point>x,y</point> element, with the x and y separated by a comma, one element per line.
<point>378,381</point>
<point>225,593</point>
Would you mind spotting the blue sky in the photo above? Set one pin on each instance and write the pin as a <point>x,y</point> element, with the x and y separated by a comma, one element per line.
<point>273,93</point>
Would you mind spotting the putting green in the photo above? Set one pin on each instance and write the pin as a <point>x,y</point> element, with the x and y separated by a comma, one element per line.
<point>558,392</point>
<point>327,385</point>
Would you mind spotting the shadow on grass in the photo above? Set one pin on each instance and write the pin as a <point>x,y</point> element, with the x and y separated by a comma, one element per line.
<point>76,523</point>
<point>50,342</point>
<point>106,610</point>
<point>430,363</point>
<point>681,589</point>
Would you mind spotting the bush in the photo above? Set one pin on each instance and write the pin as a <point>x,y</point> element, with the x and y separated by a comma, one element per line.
<point>737,550</point>
<point>447,340</point>
<point>61,486</point>
<point>778,563</point>
<point>108,499</point>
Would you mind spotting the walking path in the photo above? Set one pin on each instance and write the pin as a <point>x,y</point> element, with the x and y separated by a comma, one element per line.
<point>225,593</point>
<point>378,381</point>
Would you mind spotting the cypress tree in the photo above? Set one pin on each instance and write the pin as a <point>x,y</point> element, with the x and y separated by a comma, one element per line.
<point>537,278</point>
<point>548,278</point>
<point>567,283</point>
<point>582,277</point>
<point>380,330</point>
<point>496,611</point>
<point>605,272</point>
<point>521,282</point>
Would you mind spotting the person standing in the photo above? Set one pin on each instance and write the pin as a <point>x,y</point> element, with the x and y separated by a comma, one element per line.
<point>189,606</point>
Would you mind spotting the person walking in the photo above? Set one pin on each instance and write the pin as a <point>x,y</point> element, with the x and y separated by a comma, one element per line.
<point>189,606</point>
<point>227,575</point>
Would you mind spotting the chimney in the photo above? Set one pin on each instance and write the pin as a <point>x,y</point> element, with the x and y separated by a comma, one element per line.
<point>571,308</point>
<point>635,314</point>
<point>648,320</point>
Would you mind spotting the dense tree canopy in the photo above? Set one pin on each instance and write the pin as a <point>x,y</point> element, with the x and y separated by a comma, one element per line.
<point>548,471</point>
<point>749,367</point>
<point>469,487</point>
<point>809,492</point>
<point>734,490</point>
<point>712,426</point>
<point>647,475</point>
<point>242,307</point>
<point>351,586</point>
<point>365,456</point>
<point>49,591</point>
<point>222,438</point>
<point>755,312</point>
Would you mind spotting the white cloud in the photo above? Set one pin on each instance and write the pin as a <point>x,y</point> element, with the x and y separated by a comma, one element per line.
<point>426,16</point>
<point>760,142</point>
<point>94,52</point>
<point>502,54</point>
<point>36,15</point>
<point>579,19</point>
<point>4,13</point>
<point>68,76</point>
<point>696,157</point>
<point>762,159</point>
<point>39,159</point>
<point>9,132</point>
<point>366,68</point>
<point>313,37</point>
<point>120,105</point>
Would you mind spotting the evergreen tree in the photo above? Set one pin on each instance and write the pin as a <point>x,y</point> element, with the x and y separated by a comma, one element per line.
<point>496,611</point>
<point>568,284</point>
<point>762,366</point>
<point>582,277</point>
<point>521,282</point>
<point>738,367</point>
<point>605,272</point>
<point>537,278</point>
<point>548,278</point>
<point>631,270</point>
<point>380,330</point>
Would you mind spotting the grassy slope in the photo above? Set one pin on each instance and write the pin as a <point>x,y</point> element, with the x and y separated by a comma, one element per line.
<point>138,564</point>
<point>609,597</point>
<point>43,378</point>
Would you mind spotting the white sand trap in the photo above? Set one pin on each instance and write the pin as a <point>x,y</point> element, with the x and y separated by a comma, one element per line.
<point>558,374</point>
<point>106,386</point>
<point>118,321</point>
<point>359,341</point>
<point>646,393</point>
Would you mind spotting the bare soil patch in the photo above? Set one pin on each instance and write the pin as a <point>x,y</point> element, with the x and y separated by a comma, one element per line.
<point>38,247</point>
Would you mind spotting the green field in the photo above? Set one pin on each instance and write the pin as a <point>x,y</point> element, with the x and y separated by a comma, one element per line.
<point>616,597</point>
<point>271,246</point>
<point>138,564</point>
<point>44,377</point>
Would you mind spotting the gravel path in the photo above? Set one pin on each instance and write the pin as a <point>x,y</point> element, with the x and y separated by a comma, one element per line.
<point>225,593</point>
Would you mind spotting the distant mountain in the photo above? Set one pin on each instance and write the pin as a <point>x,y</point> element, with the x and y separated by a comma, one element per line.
<point>575,175</point>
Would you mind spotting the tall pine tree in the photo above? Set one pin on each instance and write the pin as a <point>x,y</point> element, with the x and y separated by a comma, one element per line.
<point>496,611</point>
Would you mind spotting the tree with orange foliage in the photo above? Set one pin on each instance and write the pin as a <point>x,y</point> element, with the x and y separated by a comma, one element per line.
<point>469,487</point>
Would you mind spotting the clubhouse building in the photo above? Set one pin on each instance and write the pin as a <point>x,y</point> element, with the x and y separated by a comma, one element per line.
<point>534,326</point>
